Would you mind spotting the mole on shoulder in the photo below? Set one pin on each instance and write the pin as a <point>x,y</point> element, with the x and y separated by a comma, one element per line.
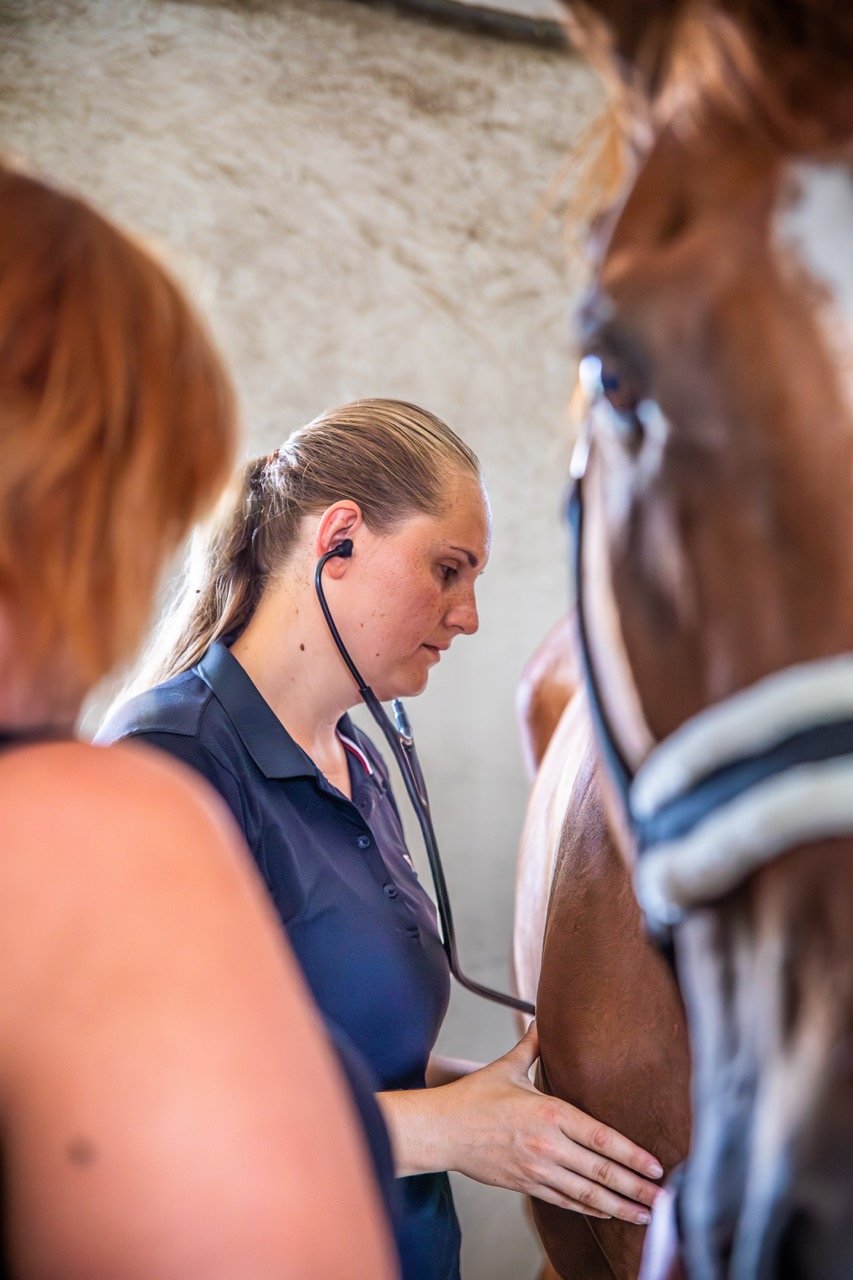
<point>81,1151</point>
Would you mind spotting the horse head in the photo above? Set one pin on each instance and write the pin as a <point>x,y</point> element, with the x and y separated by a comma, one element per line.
<point>716,577</point>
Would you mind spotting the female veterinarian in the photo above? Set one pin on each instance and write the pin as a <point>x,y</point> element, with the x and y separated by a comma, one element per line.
<point>254,695</point>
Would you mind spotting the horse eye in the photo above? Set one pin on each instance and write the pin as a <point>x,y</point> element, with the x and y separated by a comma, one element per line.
<point>614,395</point>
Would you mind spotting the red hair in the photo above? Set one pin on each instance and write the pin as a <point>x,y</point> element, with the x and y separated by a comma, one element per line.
<point>117,427</point>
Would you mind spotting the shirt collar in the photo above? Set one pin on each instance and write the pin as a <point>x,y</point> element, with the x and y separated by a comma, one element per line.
<point>261,732</point>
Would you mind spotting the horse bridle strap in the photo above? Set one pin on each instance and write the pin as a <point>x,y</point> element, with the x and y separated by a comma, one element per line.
<point>742,782</point>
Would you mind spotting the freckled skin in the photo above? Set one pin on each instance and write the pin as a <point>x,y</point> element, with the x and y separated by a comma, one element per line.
<point>422,570</point>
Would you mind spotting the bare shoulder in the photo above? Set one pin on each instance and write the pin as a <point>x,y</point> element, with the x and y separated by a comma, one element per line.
<point>117,843</point>
<point>71,802</point>
<point>74,776</point>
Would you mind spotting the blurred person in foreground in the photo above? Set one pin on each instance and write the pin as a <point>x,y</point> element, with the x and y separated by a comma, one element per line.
<point>170,1105</point>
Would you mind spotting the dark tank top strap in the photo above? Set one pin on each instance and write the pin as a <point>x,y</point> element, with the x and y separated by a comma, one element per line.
<point>16,737</point>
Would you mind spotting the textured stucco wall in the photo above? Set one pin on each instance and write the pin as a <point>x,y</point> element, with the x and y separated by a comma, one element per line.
<point>358,199</point>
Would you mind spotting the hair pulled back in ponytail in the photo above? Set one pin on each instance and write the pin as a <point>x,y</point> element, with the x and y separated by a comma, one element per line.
<point>392,458</point>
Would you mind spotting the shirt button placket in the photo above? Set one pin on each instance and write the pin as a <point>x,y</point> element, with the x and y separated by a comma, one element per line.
<point>364,841</point>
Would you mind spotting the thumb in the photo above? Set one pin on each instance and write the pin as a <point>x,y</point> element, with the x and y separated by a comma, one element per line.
<point>525,1053</point>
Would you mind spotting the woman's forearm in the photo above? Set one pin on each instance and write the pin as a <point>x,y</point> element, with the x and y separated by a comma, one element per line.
<point>418,1120</point>
<point>419,1123</point>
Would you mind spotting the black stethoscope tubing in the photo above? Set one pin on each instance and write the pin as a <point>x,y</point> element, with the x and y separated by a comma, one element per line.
<point>401,741</point>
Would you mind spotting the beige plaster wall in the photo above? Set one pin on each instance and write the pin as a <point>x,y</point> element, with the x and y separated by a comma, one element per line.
<point>358,199</point>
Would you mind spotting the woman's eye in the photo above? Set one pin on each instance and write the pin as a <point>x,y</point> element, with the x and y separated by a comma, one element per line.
<point>448,571</point>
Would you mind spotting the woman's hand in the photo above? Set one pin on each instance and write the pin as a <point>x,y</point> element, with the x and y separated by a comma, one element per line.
<point>496,1127</point>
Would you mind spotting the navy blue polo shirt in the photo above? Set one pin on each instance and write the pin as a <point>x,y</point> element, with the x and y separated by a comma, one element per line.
<point>341,879</point>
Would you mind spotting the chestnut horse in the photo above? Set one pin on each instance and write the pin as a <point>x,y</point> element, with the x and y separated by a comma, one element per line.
<point>716,578</point>
<point>609,1017</point>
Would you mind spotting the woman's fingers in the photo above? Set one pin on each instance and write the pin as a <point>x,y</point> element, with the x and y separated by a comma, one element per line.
<point>595,1166</point>
<point>504,1131</point>
<point>566,1202</point>
<point>574,1192</point>
<point>609,1146</point>
<point>615,1177</point>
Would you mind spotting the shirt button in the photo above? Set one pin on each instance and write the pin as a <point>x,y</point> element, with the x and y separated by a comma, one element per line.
<point>390,890</point>
<point>363,842</point>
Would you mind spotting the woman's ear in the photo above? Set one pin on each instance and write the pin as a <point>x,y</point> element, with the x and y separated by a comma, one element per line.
<point>342,520</point>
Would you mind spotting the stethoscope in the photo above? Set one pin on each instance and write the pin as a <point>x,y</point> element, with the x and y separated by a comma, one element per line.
<point>402,743</point>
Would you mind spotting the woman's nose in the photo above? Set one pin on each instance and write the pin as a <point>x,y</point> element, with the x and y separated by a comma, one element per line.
<point>463,616</point>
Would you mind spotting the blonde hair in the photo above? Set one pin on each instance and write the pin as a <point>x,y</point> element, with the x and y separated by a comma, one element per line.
<point>390,457</point>
<point>117,428</point>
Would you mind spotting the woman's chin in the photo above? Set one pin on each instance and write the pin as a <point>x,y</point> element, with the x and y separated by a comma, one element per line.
<point>408,685</point>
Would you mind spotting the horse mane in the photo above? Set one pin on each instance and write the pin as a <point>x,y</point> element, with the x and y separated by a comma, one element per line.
<point>779,66</point>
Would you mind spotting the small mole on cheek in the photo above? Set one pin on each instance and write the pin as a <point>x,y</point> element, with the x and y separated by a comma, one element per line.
<point>302,647</point>
<point>81,1151</point>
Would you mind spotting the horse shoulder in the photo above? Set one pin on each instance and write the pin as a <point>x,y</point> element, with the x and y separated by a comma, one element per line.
<point>611,1026</point>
